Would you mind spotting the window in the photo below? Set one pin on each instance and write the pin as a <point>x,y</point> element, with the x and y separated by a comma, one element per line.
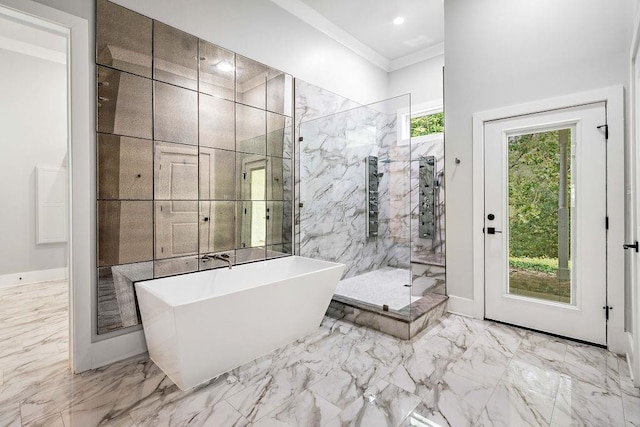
<point>427,124</point>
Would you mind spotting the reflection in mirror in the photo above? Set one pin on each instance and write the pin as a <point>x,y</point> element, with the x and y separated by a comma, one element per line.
<point>251,224</point>
<point>217,123</point>
<point>278,251</point>
<point>124,103</point>
<point>125,167</point>
<point>278,223</point>
<point>217,174</point>
<point>279,179</point>
<point>116,295</point>
<point>250,130</point>
<point>176,228</point>
<point>279,92</point>
<point>251,170</point>
<point>217,71</point>
<point>176,114</point>
<point>279,135</point>
<point>244,256</point>
<point>251,77</point>
<point>123,39</point>
<point>176,171</point>
<point>217,226</point>
<point>125,232</point>
<point>173,266</point>
<point>175,56</point>
<point>208,261</point>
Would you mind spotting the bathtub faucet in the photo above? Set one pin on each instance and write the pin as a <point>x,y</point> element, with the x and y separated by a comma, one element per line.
<point>223,257</point>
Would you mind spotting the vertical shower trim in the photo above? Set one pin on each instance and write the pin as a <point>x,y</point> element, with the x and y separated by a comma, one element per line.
<point>427,188</point>
<point>372,184</point>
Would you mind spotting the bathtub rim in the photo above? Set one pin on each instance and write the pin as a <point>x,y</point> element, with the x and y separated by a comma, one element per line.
<point>142,284</point>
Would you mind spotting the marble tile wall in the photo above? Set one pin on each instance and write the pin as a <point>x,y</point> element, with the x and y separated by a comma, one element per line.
<point>331,163</point>
<point>428,254</point>
<point>194,157</point>
<point>422,248</point>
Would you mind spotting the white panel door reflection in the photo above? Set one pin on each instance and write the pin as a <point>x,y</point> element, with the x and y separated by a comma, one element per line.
<point>176,193</point>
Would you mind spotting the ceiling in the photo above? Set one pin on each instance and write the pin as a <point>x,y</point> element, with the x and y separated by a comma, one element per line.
<point>366,27</point>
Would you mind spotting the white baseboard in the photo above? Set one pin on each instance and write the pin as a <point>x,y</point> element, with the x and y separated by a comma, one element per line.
<point>117,348</point>
<point>459,305</point>
<point>29,277</point>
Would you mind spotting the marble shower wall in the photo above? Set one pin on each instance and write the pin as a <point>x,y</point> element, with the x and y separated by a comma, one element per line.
<point>332,192</point>
<point>428,254</point>
<point>428,250</point>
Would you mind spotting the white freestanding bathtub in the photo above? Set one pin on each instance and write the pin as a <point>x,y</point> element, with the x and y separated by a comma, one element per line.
<point>200,325</point>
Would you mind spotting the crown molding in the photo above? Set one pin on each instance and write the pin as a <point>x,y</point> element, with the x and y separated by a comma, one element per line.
<point>310,16</point>
<point>32,50</point>
<point>414,58</point>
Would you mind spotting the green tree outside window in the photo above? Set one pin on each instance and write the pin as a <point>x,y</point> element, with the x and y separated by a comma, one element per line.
<point>427,125</point>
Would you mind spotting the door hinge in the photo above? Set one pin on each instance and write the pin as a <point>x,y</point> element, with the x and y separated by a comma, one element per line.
<point>607,309</point>
<point>606,130</point>
<point>606,223</point>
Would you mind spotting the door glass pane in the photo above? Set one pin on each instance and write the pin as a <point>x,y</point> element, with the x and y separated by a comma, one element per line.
<point>258,210</point>
<point>540,223</point>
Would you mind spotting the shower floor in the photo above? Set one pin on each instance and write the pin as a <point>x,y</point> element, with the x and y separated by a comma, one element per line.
<point>386,286</point>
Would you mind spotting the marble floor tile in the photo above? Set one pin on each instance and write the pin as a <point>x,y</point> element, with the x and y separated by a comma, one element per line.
<point>10,414</point>
<point>306,409</point>
<point>456,401</point>
<point>420,372</point>
<point>580,403</point>
<point>383,404</point>
<point>256,400</point>
<point>593,365</point>
<point>50,421</point>
<point>462,372</point>
<point>530,378</point>
<point>631,407</point>
<point>483,362</point>
<point>509,406</point>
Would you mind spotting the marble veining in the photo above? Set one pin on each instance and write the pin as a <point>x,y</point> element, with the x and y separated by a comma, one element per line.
<point>461,372</point>
<point>333,217</point>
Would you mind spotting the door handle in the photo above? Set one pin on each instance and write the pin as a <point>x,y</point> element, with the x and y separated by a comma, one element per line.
<point>492,230</point>
<point>631,246</point>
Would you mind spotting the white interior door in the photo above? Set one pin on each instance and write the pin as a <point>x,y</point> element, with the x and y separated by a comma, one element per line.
<point>176,218</point>
<point>546,222</point>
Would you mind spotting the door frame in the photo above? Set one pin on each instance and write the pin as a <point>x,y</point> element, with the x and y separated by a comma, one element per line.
<point>614,98</point>
<point>633,156</point>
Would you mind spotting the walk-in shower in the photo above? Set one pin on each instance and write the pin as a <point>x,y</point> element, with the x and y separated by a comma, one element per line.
<point>372,200</point>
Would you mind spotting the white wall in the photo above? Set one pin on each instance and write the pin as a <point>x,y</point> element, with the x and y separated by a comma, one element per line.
<point>261,30</point>
<point>505,52</point>
<point>33,108</point>
<point>423,80</point>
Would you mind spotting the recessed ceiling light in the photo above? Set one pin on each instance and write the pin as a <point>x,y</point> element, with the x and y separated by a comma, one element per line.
<point>399,20</point>
<point>224,66</point>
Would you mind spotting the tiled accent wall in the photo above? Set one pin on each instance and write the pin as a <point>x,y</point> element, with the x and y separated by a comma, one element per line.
<point>333,213</point>
<point>194,157</point>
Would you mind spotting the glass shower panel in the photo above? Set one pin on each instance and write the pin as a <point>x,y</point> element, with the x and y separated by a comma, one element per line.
<point>348,160</point>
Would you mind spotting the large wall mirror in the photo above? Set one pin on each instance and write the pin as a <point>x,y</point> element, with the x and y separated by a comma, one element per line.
<point>194,157</point>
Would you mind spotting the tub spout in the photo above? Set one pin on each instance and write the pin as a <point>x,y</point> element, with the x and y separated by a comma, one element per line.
<point>223,257</point>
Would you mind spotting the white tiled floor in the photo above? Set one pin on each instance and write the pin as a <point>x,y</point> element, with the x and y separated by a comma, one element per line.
<point>463,372</point>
